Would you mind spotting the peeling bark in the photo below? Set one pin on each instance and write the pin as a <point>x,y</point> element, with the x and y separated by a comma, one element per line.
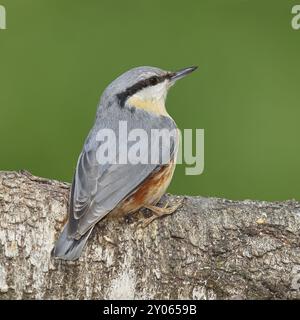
<point>209,249</point>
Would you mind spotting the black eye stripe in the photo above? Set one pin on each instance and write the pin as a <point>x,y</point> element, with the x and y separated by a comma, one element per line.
<point>152,81</point>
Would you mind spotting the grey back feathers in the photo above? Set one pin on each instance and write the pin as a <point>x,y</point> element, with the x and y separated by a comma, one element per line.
<point>99,188</point>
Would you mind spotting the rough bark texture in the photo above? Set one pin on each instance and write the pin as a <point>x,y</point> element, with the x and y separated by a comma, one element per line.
<point>209,249</point>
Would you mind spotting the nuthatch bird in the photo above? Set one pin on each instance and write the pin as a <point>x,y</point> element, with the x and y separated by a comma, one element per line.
<point>137,97</point>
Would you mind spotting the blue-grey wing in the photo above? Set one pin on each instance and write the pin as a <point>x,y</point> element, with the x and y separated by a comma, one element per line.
<point>98,188</point>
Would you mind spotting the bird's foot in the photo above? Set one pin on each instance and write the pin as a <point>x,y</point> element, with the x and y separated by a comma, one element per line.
<point>160,212</point>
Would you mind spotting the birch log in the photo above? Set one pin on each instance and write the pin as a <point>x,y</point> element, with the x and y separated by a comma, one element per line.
<point>209,249</point>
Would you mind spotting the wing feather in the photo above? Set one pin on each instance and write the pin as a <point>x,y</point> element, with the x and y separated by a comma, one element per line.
<point>97,189</point>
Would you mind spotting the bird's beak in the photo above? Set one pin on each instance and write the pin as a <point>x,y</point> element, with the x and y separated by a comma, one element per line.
<point>182,73</point>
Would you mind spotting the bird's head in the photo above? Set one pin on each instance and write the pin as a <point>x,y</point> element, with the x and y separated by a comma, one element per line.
<point>144,87</point>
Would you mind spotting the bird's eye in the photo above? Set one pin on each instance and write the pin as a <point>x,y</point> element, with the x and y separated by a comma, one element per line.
<point>154,81</point>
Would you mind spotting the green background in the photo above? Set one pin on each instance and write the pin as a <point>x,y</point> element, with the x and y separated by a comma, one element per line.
<point>57,56</point>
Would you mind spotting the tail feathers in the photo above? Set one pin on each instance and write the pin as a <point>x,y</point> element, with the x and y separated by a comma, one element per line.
<point>67,248</point>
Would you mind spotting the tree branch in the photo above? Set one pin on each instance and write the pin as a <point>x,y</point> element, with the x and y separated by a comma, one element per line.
<point>209,249</point>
